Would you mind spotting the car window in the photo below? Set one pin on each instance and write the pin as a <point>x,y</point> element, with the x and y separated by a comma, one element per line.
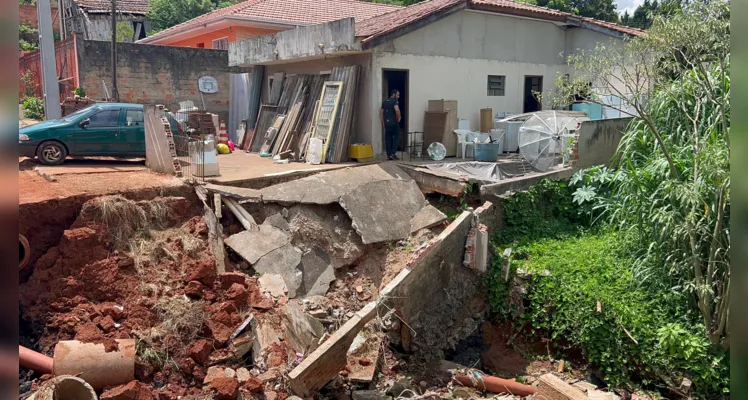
<point>75,115</point>
<point>104,118</point>
<point>134,118</point>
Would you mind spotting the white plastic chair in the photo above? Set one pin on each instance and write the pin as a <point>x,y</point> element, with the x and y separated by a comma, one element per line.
<point>465,140</point>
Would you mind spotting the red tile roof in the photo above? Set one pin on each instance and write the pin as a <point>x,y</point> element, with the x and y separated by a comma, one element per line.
<point>105,6</point>
<point>390,22</point>
<point>301,12</point>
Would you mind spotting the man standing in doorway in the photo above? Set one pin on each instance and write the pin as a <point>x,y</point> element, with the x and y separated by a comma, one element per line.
<point>390,116</point>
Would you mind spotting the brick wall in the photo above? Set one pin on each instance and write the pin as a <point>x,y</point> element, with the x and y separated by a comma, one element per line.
<point>148,74</point>
<point>27,15</point>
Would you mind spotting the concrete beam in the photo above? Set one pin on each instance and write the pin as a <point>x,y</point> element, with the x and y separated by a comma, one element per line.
<point>307,42</point>
<point>489,192</point>
<point>434,181</point>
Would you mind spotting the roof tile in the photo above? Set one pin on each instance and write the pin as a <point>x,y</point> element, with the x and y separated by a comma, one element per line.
<point>105,6</point>
<point>302,12</point>
<point>386,23</point>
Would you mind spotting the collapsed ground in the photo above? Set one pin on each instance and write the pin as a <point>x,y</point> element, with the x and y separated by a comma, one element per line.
<point>145,270</point>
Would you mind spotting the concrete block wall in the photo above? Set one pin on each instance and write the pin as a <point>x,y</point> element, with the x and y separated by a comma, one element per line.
<point>598,141</point>
<point>148,74</point>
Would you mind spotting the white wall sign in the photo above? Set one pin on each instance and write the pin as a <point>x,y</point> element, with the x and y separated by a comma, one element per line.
<point>207,84</point>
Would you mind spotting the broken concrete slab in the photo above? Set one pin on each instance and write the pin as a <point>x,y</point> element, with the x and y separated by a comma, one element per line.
<point>318,272</point>
<point>552,387</point>
<point>283,261</point>
<point>264,336</point>
<point>234,192</point>
<point>277,220</point>
<point>273,285</point>
<point>328,187</point>
<point>362,360</point>
<point>303,331</point>
<point>253,245</point>
<point>381,211</point>
<point>329,228</point>
<point>427,217</point>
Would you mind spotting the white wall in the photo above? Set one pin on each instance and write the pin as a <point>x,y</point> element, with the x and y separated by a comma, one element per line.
<point>452,58</point>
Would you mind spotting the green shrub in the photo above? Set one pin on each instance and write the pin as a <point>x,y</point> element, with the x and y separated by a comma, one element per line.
<point>639,337</point>
<point>33,107</point>
<point>79,92</point>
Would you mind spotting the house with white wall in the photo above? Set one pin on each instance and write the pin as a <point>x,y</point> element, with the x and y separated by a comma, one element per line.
<point>482,53</point>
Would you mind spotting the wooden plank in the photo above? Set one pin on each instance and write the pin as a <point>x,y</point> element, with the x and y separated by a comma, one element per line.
<point>215,230</point>
<point>272,133</point>
<point>275,91</point>
<point>328,359</point>
<point>265,120</point>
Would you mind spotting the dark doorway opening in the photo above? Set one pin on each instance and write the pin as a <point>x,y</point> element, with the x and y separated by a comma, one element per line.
<point>532,84</point>
<point>397,79</point>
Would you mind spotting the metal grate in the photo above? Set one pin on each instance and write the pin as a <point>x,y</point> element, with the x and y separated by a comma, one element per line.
<point>190,155</point>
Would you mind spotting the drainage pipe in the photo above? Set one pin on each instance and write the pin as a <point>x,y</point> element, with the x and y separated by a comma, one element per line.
<point>24,252</point>
<point>480,381</point>
<point>34,361</point>
<point>64,387</point>
<point>94,364</point>
<point>248,223</point>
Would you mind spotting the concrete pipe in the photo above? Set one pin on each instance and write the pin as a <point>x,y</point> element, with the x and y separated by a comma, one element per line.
<point>34,361</point>
<point>95,365</point>
<point>24,252</point>
<point>64,387</point>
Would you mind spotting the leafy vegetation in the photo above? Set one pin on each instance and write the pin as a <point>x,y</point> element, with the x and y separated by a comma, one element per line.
<point>125,31</point>
<point>600,9</point>
<point>640,336</point>
<point>645,13</point>
<point>672,190</point>
<point>167,13</point>
<point>33,107</point>
<point>28,38</point>
<point>639,266</point>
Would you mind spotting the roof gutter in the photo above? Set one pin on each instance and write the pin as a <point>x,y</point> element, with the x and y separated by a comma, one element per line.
<point>596,28</point>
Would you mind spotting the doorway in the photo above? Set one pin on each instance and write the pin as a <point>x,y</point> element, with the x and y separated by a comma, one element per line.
<point>397,79</point>
<point>532,84</point>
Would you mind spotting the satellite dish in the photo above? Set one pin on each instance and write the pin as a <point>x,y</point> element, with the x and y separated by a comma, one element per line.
<point>545,136</point>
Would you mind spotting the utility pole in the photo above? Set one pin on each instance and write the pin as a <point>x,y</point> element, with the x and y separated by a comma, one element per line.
<point>50,83</point>
<point>115,93</point>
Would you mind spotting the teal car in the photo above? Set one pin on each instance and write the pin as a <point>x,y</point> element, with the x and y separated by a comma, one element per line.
<point>103,129</point>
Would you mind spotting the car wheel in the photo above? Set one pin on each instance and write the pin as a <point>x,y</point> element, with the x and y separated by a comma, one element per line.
<point>52,153</point>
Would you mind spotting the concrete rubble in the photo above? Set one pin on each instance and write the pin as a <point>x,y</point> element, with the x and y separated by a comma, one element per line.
<point>253,245</point>
<point>366,193</point>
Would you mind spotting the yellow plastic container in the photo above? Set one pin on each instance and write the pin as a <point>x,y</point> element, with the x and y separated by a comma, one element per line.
<point>361,152</point>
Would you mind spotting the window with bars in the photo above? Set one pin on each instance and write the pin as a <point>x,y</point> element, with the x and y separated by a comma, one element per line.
<point>221,44</point>
<point>496,85</point>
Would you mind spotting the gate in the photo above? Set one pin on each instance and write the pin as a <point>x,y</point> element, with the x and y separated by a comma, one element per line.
<point>30,70</point>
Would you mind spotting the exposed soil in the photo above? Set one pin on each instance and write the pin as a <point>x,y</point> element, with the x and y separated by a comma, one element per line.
<point>33,188</point>
<point>92,288</point>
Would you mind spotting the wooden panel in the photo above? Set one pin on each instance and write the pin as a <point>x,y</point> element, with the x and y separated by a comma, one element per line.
<point>434,124</point>
<point>326,113</point>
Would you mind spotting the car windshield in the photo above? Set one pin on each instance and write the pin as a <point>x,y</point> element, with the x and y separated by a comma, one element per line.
<point>72,117</point>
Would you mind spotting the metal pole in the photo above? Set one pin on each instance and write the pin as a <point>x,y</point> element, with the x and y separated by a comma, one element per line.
<point>115,93</point>
<point>49,65</point>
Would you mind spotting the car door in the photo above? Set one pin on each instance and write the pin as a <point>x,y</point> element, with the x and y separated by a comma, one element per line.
<point>132,132</point>
<point>101,135</point>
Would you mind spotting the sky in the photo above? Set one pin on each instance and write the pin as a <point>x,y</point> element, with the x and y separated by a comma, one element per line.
<point>630,5</point>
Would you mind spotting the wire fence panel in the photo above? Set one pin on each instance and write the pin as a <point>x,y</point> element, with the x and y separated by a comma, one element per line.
<point>190,152</point>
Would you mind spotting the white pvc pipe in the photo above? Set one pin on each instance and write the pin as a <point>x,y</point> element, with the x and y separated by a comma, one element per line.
<point>248,223</point>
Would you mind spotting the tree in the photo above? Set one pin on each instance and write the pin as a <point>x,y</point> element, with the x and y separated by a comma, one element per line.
<point>166,13</point>
<point>599,9</point>
<point>672,192</point>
